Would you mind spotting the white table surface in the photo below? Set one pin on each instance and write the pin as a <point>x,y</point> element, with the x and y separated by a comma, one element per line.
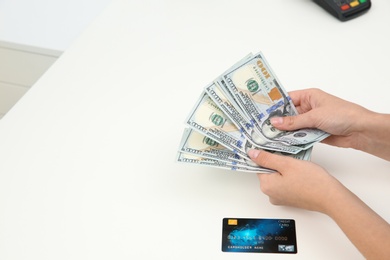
<point>87,156</point>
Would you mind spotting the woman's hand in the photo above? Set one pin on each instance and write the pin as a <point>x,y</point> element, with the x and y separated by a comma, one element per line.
<point>297,183</point>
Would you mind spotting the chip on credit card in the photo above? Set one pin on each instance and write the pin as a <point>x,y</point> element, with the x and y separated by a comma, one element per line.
<point>248,235</point>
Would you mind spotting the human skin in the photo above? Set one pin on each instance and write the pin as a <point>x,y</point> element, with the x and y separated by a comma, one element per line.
<point>306,185</point>
<point>350,125</point>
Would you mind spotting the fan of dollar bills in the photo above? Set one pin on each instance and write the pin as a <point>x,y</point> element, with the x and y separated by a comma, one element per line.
<point>232,115</point>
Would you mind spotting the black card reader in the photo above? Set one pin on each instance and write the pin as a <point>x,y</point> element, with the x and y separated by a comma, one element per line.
<point>345,9</point>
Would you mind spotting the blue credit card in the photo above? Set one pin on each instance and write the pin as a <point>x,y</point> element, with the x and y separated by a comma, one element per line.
<point>259,235</point>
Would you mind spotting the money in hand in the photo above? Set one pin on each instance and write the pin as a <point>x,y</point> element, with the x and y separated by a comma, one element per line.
<point>232,116</point>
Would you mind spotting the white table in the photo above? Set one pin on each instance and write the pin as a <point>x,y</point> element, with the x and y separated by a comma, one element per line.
<point>87,156</point>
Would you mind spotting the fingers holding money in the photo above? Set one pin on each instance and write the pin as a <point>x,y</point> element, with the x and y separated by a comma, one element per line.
<point>296,183</point>
<point>290,123</point>
<point>269,160</point>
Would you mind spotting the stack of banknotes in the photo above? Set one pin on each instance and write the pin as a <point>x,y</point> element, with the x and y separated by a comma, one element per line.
<point>232,116</point>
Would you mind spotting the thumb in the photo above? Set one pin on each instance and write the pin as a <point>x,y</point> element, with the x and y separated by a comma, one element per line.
<point>293,122</point>
<point>269,160</point>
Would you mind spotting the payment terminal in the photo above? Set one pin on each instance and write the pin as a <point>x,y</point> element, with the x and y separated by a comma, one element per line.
<point>345,9</point>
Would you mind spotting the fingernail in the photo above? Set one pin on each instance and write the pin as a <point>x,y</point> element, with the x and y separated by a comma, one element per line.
<point>277,120</point>
<point>253,153</point>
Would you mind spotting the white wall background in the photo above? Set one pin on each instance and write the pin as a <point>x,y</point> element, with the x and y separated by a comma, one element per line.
<point>33,34</point>
<point>50,24</point>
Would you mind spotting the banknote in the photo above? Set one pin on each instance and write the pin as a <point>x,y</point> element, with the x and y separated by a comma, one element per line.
<point>233,115</point>
<point>251,133</point>
<point>192,159</point>
<point>198,149</point>
<point>195,143</point>
<point>207,118</point>
<point>260,96</point>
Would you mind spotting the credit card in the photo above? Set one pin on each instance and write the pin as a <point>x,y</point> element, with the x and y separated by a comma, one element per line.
<point>247,235</point>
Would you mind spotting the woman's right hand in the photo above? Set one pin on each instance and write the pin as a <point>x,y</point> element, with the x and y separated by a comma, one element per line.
<point>318,109</point>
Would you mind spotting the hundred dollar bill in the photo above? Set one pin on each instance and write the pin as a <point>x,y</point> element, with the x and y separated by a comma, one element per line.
<point>207,118</point>
<point>302,155</point>
<point>226,91</point>
<point>260,96</point>
<point>254,136</point>
<point>188,158</point>
<point>198,155</point>
<point>197,144</point>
